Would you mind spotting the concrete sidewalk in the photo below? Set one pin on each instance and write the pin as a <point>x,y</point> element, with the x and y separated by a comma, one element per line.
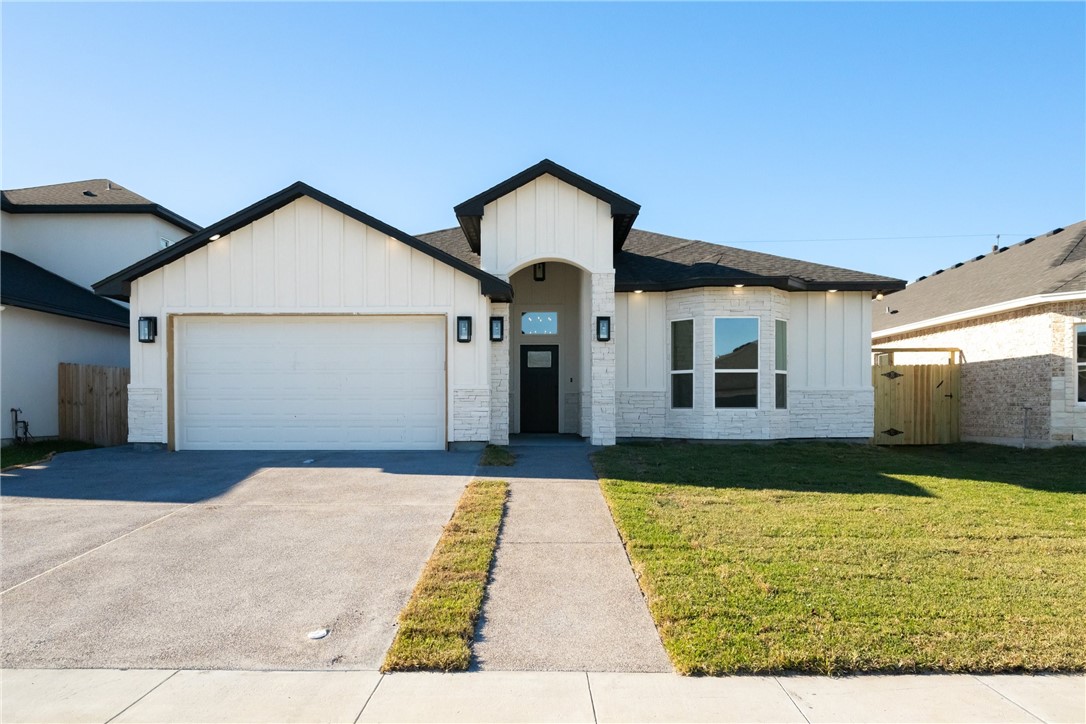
<point>562,596</point>
<point>100,695</point>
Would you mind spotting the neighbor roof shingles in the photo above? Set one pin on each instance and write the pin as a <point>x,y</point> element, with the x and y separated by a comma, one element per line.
<point>93,195</point>
<point>656,261</point>
<point>1049,264</point>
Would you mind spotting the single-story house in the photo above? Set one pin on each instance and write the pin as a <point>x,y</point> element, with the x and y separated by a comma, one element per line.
<point>1018,315</point>
<point>56,240</point>
<point>303,323</point>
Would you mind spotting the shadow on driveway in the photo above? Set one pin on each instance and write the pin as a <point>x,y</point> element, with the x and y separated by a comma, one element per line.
<point>122,473</point>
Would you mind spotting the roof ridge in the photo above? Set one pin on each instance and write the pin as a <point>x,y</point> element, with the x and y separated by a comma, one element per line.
<point>1001,249</point>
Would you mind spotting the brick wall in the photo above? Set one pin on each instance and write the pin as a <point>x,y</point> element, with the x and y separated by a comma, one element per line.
<point>1012,360</point>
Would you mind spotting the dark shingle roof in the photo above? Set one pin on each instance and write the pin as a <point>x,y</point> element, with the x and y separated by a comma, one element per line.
<point>656,262</point>
<point>27,285</point>
<point>82,197</point>
<point>1049,264</point>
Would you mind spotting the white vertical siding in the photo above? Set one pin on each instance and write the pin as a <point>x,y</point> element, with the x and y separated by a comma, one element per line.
<point>829,341</point>
<point>546,219</point>
<point>308,258</point>
<point>640,332</point>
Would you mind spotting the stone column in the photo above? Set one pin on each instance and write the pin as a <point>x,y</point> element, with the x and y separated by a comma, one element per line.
<point>603,361</point>
<point>499,378</point>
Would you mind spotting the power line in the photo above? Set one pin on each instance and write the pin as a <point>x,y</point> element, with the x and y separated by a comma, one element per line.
<point>870,238</point>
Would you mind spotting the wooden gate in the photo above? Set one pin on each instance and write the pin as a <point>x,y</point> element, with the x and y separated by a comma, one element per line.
<point>93,403</point>
<point>916,404</point>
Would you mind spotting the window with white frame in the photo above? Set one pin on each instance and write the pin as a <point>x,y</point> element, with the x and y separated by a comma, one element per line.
<point>1080,360</point>
<point>780,367</point>
<point>682,363</point>
<point>735,344</point>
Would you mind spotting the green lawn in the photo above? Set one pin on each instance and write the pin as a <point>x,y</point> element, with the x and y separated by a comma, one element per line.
<point>36,451</point>
<point>834,558</point>
<point>495,455</point>
<point>438,624</point>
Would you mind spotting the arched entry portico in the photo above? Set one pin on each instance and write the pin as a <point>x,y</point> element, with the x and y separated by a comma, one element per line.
<point>550,374</point>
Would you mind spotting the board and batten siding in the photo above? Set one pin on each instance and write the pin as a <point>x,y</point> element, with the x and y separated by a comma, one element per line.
<point>829,344</point>
<point>546,219</point>
<point>829,372</point>
<point>305,258</point>
<point>640,332</point>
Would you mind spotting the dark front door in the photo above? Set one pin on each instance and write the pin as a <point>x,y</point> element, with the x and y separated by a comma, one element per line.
<point>539,388</point>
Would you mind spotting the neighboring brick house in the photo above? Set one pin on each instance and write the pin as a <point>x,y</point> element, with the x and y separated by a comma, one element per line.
<point>1019,316</point>
<point>303,323</point>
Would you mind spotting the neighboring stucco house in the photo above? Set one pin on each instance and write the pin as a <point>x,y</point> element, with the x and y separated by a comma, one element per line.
<point>56,241</point>
<point>1018,314</point>
<point>301,322</point>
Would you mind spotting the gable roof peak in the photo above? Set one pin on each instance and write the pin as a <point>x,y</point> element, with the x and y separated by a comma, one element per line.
<point>118,286</point>
<point>470,212</point>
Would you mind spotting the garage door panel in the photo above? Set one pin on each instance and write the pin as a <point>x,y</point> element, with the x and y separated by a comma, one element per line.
<point>311,383</point>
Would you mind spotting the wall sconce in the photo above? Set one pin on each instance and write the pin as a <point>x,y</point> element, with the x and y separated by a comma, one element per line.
<point>497,329</point>
<point>603,329</point>
<point>148,329</point>
<point>463,329</point>
<point>539,271</point>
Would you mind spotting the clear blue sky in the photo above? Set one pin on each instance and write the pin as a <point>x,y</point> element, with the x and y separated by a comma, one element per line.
<point>726,122</point>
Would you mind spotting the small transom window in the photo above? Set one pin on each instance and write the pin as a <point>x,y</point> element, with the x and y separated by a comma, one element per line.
<point>539,323</point>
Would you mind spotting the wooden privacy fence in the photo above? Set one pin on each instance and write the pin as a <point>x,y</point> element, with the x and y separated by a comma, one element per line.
<point>93,403</point>
<point>916,404</point>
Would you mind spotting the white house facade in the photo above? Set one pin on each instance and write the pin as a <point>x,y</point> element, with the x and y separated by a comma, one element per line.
<point>303,323</point>
<point>56,241</point>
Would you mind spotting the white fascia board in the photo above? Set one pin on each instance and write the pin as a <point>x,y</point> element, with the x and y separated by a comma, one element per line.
<point>1008,306</point>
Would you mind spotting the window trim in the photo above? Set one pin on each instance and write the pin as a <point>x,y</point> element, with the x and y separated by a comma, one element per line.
<point>693,362</point>
<point>778,372</point>
<point>757,372</point>
<point>1080,364</point>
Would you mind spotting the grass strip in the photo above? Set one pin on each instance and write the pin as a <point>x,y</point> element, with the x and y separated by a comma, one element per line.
<point>14,456</point>
<point>438,623</point>
<point>830,559</point>
<point>494,455</point>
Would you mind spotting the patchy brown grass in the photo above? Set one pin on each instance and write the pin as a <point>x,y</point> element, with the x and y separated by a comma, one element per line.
<point>438,623</point>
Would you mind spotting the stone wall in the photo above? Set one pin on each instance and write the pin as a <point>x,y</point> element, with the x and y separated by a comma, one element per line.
<point>641,414</point>
<point>146,414</point>
<point>705,421</point>
<point>499,379</point>
<point>603,362</point>
<point>1012,361</point>
<point>471,415</point>
<point>831,413</point>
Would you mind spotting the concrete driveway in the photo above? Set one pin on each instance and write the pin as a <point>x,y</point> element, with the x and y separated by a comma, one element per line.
<point>121,559</point>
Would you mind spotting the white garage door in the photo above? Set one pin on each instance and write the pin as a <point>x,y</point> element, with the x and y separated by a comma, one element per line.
<point>310,383</point>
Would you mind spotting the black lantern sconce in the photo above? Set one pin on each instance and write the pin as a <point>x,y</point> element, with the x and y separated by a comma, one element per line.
<point>539,271</point>
<point>497,329</point>
<point>463,329</point>
<point>148,329</point>
<point>603,329</point>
